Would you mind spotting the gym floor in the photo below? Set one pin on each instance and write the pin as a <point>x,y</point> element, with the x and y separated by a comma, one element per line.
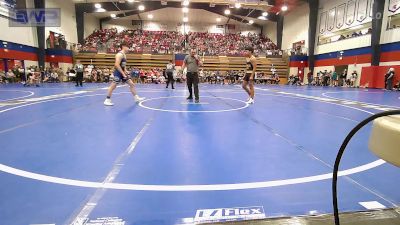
<point>67,159</point>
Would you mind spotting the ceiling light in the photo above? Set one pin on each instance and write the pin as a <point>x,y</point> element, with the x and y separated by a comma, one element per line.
<point>284,8</point>
<point>251,22</point>
<point>131,1</point>
<point>238,5</point>
<point>262,18</point>
<point>150,16</point>
<point>185,9</point>
<point>100,10</point>
<point>97,5</point>
<point>185,3</point>
<point>264,14</point>
<point>218,19</point>
<point>185,19</point>
<point>227,12</point>
<point>113,15</point>
<point>141,7</point>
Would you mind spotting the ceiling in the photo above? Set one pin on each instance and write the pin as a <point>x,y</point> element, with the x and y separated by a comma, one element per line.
<point>176,15</point>
<point>199,10</point>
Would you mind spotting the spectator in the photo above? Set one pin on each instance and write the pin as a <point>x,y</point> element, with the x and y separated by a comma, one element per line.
<point>398,86</point>
<point>16,73</point>
<point>33,78</point>
<point>335,79</point>
<point>170,74</point>
<point>79,73</point>
<point>275,78</point>
<point>106,74</point>
<point>310,77</point>
<point>10,76</point>
<point>343,77</point>
<point>389,77</point>
<point>325,78</point>
<point>353,79</point>
<point>2,76</point>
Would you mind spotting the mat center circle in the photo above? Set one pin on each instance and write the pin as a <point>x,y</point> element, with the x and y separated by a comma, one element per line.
<point>208,104</point>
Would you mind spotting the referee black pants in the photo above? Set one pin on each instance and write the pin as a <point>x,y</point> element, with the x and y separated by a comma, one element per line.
<point>79,78</point>
<point>170,79</point>
<point>193,83</point>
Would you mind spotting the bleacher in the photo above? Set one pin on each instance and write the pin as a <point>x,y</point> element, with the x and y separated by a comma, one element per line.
<point>211,63</point>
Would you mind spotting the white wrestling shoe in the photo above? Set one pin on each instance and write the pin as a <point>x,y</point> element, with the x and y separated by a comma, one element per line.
<point>139,99</point>
<point>108,102</point>
<point>250,101</point>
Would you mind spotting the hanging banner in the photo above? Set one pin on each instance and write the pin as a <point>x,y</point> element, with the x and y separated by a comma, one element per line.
<point>331,19</point>
<point>362,9</point>
<point>340,13</point>
<point>394,5</point>
<point>351,11</point>
<point>371,8</point>
<point>322,23</point>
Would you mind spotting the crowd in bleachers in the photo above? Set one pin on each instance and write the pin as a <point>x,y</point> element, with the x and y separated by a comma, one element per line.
<point>98,40</point>
<point>325,78</point>
<point>229,44</point>
<point>168,42</point>
<point>34,76</point>
<point>340,79</point>
<point>31,75</point>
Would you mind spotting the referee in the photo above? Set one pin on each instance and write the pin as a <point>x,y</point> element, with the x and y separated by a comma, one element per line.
<point>192,63</point>
<point>79,73</point>
<point>170,74</point>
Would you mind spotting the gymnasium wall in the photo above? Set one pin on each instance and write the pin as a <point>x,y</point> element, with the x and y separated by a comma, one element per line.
<point>336,16</point>
<point>352,16</point>
<point>269,30</point>
<point>10,50</point>
<point>352,43</point>
<point>91,24</point>
<point>389,35</point>
<point>295,27</point>
<point>28,36</point>
<point>120,24</point>
<point>29,63</point>
<point>374,76</point>
<point>22,35</point>
<point>356,59</point>
<point>68,19</point>
<point>394,63</point>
